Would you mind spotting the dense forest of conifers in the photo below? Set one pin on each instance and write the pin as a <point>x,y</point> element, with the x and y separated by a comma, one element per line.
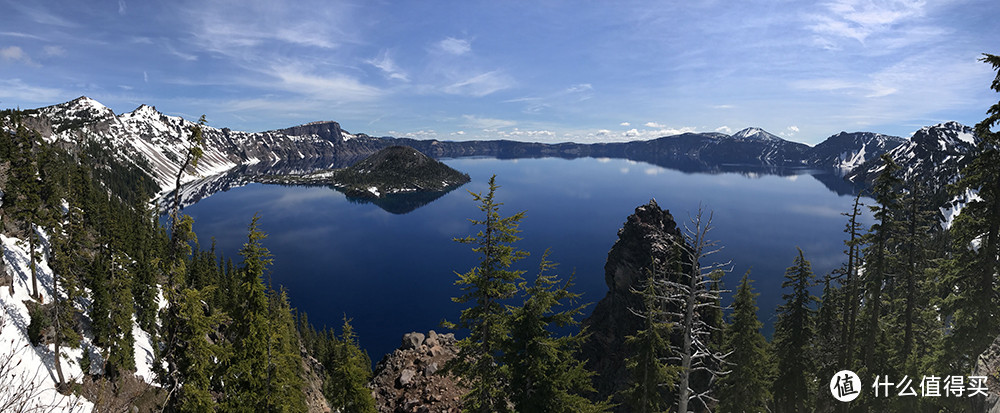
<point>913,300</point>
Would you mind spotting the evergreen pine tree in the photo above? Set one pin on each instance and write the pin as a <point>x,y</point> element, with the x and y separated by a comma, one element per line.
<point>545,376</point>
<point>250,335</point>
<point>349,370</point>
<point>23,193</point>
<point>850,284</point>
<point>651,376</point>
<point>485,287</point>
<point>880,276</point>
<point>174,266</point>
<point>972,303</point>
<point>121,342</point>
<point>793,335</point>
<point>826,344</point>
<point>746,387</point>
<point>195,360</point>
<point>284,385</point>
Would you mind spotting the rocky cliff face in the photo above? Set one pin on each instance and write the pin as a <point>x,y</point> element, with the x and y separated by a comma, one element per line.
<point>409,379</point>
<point>988,364</point>
<point>646,237</point>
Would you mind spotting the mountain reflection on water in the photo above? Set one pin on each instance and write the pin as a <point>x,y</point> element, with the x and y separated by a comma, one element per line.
<point>394,272</point>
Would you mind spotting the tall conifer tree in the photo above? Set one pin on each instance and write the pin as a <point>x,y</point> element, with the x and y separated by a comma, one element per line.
<point>349,372</point>
<point>651,376</point>
<point>746,387</point>
<point>485,287</point>
<point>793,335</point>
<point>972,301</point>
<point>545,374</point>
<point>250,335</point>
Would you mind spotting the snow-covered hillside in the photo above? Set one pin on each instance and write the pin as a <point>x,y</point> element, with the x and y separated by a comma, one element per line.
<point>31,368</point>
<point>934,155</point>
<point>157,143</point>
<point>845,152</point>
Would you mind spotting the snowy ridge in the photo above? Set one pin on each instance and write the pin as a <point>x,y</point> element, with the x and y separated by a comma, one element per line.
<point>157,142</point>
<point>845,152</point>
<point>755,133</point>
<point>934,156</point>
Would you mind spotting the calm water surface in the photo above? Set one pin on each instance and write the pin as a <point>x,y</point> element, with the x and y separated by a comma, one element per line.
<point>394,274</point>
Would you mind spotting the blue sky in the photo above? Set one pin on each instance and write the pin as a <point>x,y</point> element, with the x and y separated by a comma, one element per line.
<point>537,71</point>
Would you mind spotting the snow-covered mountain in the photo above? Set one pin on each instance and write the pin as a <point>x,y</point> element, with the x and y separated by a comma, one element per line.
<point>934,155</point>
<point>156,142</point>
<point>755,134</point>
<point>844,151</point>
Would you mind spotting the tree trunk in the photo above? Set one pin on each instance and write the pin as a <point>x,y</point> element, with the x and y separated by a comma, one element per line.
<point>58,338</point>
<point>31,261</point>
<point>850,282</point>
<point>685,386</point>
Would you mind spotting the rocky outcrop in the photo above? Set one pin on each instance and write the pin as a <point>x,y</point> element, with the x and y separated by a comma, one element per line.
<point>410,378</point>
<point>988,364</point>
<point>646,237</point>
<point>312,374</point>
<point>328,130</point>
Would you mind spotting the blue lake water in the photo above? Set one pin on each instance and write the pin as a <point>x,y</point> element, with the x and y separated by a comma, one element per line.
<point>395,273</point>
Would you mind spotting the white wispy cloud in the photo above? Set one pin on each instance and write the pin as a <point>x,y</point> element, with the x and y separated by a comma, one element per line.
<point>177,53</point>
<point>634,134</point>
<point>420,134</point>
<point>21,35</point>
<point>387,65</point>
<point>16,54</point>
<point>624,124</point>
<point>862,20</point>
<point>486,123</point>
<point>325,87</point>
<point>580,88</point>
<point>17,90</point>
<point>653,125</point>
<point>724,129</point>
<point>529,135</point>
<point>54,50</point>
<point>121,7</point>
<point>236,28</point>
<point>453,46</point>
<point>481,84</point>
<point>789,131</point>
<point>38,13</point>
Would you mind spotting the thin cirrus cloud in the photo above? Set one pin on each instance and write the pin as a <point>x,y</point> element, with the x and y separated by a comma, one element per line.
<point>879,65</point>
<point>385,63</point>
<point>332,87</point>
<point>453,46</point>
<point>486,123</point>
<point>481,84</point>
<point>861,20</point>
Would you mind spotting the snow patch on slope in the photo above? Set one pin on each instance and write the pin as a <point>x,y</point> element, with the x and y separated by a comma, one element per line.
<point>34,365</point>
<point>37,364</point>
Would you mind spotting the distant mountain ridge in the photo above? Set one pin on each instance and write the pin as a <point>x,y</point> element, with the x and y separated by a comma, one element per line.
<point>934,154</point>
<point>153,141</point>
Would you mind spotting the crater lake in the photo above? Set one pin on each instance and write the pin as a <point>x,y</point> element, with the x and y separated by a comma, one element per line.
<point>393,273</point>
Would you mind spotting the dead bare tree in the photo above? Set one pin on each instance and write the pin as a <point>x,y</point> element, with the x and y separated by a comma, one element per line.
<point>692,301</point>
